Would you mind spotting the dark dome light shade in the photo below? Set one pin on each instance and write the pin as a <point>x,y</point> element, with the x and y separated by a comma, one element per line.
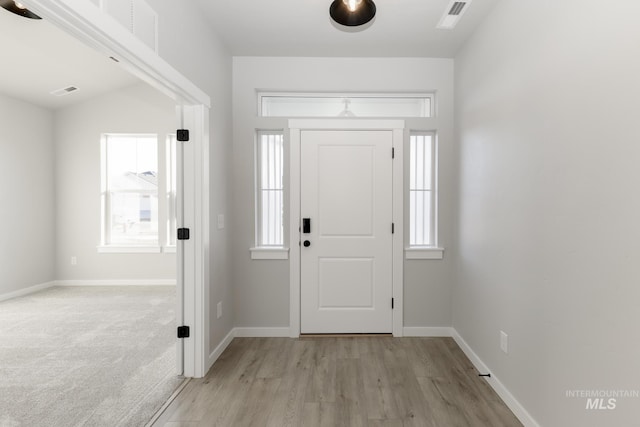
<point>364,12</point>
<point>18,9</point>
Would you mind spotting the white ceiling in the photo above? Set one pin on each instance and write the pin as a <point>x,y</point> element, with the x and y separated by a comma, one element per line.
<point>402,28</point>
<point>37,58</point>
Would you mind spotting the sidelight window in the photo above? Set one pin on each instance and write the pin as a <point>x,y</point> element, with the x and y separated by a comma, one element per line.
<point>270,189</point>
<point>422,190</point>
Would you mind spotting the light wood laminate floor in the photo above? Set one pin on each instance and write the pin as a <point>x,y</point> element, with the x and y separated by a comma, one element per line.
<point>359,381</point>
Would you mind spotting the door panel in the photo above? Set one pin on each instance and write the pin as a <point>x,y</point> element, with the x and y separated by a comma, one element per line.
<point>337,287</point>
<point>346,192</point>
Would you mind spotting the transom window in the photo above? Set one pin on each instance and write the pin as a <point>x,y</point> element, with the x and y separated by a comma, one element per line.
<point>345,105</point>
<point>422,191</point>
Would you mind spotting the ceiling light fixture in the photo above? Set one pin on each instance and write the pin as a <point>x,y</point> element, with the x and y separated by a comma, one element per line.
<point>352,13</point>
<point>18,9</point>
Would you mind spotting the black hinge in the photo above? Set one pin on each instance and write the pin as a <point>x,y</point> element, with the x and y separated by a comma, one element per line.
<point>183,332</point>
<point>391,303</point>
<point>393,227</point>
<point>182,135</point>
<point>183,234</point>
<point>393,153</point>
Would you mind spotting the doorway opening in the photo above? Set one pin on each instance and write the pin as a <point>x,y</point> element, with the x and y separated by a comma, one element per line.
<point>108,272</point>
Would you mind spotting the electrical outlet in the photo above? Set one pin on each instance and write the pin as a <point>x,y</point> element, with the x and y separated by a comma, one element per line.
<point>504,342</point>
<point>219,309</point>
<point>74,260</point>
<point>220,221</point>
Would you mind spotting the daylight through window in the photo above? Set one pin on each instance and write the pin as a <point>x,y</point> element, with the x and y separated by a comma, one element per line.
<point>130,190</point>
<point>270,188</point>
<point>422,190</point>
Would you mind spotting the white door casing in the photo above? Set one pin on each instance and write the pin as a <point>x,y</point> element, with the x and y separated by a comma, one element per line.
<point>346,195</point>
<point>362,263</point>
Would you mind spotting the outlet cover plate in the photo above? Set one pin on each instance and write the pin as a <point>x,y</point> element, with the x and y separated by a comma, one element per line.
<point>504,342</point>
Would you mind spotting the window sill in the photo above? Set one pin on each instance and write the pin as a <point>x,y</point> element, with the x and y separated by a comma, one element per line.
<point>129,249</point>
<point>269,253</point>
<point>424,253</point>
<point>169,249</point>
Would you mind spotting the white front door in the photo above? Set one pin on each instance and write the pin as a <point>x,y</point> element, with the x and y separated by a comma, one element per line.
<point>346,253</point>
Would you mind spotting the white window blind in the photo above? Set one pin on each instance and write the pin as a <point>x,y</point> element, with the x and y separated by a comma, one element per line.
<point>270,188</point>
<point>130,190</point>
<point>421,190</point>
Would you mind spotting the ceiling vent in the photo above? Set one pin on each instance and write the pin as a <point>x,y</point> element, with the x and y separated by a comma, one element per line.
<point>64,91</point>
<point>453,13</point>
<point>457,8</point>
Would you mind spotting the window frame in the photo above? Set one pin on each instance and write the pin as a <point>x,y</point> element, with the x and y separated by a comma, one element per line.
<point>267,250</point>
<point>106,246</point>
<point>171,171</point>
<point>429,112</point>
<point>431,250</point>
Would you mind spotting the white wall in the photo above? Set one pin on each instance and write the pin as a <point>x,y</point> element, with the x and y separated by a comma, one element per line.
<point>261,286</point>
<point>136,109</point>
<point>27,199</point>
<point>548,229</point>
<point>188,42</point>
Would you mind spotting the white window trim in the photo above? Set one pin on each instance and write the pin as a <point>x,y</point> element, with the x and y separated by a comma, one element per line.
<point>422,251</point>
<point>104,195</point>
<point>427,95</point>
<point>171,214</point>
<point>266,251</point>
<point>418,252</point>
<point>269,253</point>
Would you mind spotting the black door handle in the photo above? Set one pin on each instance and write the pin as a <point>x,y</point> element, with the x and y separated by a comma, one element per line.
<point>306,225</point>
<point>306,243</point>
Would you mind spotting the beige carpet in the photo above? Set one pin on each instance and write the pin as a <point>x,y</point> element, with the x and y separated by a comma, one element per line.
<point>87,356</point>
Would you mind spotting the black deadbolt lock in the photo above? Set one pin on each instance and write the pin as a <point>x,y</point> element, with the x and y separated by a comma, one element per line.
<point>307,243</point>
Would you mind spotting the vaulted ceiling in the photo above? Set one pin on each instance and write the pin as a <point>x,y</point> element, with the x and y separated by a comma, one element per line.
<point>38,58</point>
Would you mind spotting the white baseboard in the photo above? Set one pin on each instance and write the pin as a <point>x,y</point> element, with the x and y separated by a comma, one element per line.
<point>519,411</point>
<point>26,291</point>
<point>262,332</point>
<point>220,349</point>
<point>243,333</point>
<point>440,331</point>
<point>117,282</point>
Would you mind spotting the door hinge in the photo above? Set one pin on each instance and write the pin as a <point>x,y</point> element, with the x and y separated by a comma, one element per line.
<point>391,303</point>
<point>183,234</point>
<point>393,227</point>
<point>182,135</point>
<point>183,332</point>
<point>393,153</point>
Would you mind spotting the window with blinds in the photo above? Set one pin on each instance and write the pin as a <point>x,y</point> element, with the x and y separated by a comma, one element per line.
<point>270,189</point>
<point>422,200</point>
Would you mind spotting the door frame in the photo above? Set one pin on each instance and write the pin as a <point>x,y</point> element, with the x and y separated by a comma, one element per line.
<point>84,21</point>
<point>296,126</point>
